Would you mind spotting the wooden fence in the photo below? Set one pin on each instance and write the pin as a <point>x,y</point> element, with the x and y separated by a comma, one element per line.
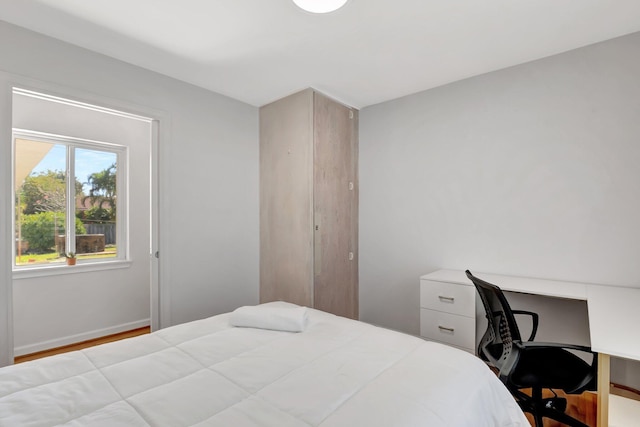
<point>109,231</point>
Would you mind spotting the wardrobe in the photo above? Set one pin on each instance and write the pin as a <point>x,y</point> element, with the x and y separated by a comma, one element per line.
<point>309,203</point>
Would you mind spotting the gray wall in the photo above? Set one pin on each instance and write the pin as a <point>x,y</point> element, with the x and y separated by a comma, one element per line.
<point>62,308</point>
<point>208,168</point>
<point>528,171</point>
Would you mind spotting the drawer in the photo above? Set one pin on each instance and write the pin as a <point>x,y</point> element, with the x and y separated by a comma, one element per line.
<point>447,328</point>
<point>448,297</point>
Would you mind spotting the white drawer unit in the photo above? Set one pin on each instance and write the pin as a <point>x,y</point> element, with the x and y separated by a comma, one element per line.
<point>448,297</point>
<point>448,328</point>
<point>448,310</point>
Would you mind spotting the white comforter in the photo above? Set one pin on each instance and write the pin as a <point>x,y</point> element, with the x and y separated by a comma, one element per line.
<point>338,372</point>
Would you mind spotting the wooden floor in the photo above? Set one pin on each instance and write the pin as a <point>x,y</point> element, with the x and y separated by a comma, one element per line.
<point>84,344</point>
<point>628,392</point>
<point>582,406</point>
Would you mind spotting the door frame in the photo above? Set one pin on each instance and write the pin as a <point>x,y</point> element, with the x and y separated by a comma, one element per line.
<point>160,133</point>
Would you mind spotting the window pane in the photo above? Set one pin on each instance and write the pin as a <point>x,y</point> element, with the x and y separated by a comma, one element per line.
<point>96,203</point>
<point>40,184</point>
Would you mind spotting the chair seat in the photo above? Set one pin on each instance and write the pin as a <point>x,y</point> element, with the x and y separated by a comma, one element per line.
<point>529,364</point>
<point>549,368</point>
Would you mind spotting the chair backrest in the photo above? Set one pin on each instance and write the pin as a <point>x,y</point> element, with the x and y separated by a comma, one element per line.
<point>496,345</point>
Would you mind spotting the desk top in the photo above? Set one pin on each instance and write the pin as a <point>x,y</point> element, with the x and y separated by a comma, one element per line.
<point>614,320</point>
<point>614,311</point>
<point>552,288</point>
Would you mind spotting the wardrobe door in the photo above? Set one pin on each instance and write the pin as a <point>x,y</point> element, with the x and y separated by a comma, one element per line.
<point>335,208</point>
<point>286,200</point>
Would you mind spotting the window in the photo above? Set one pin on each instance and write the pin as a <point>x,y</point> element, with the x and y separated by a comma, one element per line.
<point>69,200</point>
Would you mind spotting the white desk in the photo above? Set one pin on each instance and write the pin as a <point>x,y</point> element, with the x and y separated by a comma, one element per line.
<point>614,320</point>
<point>447,314</point>
<point>448,302</point>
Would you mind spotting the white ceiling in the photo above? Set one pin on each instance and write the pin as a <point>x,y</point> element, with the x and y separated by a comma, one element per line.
<point>368,52</point>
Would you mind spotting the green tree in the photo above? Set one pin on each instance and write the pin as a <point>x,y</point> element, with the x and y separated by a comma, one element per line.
<point>102,191</point>
<point>97,215</point>
<point>45,192</point>
<point>40,229</point>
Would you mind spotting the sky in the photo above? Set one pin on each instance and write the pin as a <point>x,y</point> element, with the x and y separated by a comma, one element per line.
<point>87,162</point>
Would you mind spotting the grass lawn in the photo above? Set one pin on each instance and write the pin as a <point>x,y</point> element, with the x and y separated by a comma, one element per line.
<point>54,257</point>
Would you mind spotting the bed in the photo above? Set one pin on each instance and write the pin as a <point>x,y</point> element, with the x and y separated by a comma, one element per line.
<point>337,372</point>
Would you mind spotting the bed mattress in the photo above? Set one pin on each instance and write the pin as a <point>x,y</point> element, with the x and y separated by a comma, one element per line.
<point>338,372</point>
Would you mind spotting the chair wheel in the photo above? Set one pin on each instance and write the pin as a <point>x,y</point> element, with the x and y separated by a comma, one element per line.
<point>557,403</point>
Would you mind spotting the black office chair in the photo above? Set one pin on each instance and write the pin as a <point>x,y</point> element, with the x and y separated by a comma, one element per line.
<point>527,364</point>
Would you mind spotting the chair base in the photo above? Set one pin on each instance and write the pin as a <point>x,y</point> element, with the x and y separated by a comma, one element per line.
<point>553,407</point>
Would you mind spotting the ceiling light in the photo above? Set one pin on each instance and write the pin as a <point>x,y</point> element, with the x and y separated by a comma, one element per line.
<point>320,6</point>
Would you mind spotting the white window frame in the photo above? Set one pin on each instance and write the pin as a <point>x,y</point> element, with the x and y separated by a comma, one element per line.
<point>122,259</point>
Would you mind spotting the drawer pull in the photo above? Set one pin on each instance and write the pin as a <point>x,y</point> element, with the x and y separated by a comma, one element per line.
<point>445,329</point>
<point>447,299</point>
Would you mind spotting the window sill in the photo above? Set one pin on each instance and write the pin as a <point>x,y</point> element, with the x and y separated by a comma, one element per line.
<point>55,270</point>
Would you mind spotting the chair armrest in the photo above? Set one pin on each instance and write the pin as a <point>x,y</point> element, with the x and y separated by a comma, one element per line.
<point>534,319</point>
<point>532,344</point>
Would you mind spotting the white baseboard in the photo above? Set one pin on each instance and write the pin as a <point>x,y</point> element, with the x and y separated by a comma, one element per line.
<point>74,339</point>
